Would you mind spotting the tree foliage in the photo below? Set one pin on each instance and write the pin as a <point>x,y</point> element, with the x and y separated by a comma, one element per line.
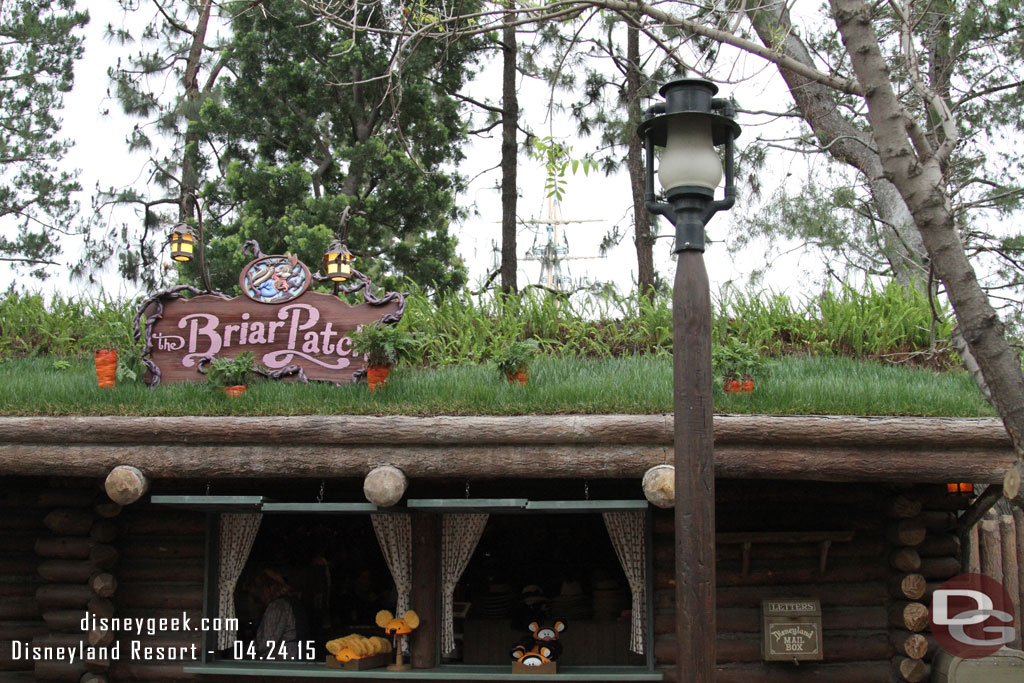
<point>964,53</point>
<point>172,65</point>
<point>39,44</point>
<point>317,120</point>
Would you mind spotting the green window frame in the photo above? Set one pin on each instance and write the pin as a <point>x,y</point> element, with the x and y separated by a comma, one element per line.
<point>216,505</point>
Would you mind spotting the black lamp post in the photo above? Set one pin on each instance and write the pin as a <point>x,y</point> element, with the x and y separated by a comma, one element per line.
<point>689,124</point>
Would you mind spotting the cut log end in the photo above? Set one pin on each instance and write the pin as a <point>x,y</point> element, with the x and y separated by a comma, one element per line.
<point>659,484</point>
<point>913,670</point>
<point>103,584</point>
<point>912,616</point>
<point>385,485</point>
<point>126,484</point>
<point>1013,484</point>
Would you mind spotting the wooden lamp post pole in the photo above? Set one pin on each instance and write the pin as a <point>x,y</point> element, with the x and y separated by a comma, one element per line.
<point>695,471</point>
<point>689,126</point>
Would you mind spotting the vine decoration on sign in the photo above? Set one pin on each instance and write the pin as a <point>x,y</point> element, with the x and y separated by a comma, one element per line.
<point>279,279</point>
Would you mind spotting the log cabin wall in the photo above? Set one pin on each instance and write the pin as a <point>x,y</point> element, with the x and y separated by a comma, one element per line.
<point>998,551</point>
<point>160,575</point>
<point>924,552</point>
<point>859,526</point>
<point>21,523</point>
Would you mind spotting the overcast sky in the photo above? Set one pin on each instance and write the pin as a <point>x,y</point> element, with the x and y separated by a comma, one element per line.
<point>93,121</point>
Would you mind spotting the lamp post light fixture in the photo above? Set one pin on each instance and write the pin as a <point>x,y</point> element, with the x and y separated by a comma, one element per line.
<point>689,125</point>
<point>337,262</point>
<point>689,128</point>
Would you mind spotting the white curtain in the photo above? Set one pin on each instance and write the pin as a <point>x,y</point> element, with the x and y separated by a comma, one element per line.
<point>628,535</point>
<point>460,534</point>
<point>237,532</point>
<point>394,533</point>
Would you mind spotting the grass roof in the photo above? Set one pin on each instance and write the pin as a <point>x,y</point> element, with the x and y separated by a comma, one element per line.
<point>634,385</point>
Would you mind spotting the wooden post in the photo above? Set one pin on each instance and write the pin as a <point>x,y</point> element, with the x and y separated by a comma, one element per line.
<point>1011,565</point>
<point>425,579</point>
<point>695,471</point>
<point>1018,519</point>
<point>971,562</point>
<point>991,548</point>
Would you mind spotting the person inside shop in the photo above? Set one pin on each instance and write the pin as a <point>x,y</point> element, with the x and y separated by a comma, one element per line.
<point>284,617</point>
<point>366,597</point>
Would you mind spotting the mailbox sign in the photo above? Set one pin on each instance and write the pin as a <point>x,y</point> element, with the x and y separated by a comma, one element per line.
<point>791,629</point>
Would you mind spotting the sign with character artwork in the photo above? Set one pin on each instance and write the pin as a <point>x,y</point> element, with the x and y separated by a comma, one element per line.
<point>291,330</point>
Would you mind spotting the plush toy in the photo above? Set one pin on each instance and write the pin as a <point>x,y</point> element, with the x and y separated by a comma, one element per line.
<point>398,627</point>
<point>539,656</point>
<point>401,626</point>
<point>543,642</point>
<point>355,646</point>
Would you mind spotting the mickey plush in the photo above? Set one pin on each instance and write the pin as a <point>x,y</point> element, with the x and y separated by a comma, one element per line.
<point>541,646</point>
<point>398,627</point>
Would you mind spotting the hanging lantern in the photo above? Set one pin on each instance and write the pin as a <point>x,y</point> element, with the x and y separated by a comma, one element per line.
<point>961,487</point>
<point>183,242</point>
<point>337,262</point>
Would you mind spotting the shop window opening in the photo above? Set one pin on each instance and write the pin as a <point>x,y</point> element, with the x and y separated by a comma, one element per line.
<point>330,568</point>
<point>544,568</point>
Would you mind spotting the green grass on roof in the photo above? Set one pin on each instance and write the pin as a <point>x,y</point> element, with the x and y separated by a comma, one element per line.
<point>640,385</point>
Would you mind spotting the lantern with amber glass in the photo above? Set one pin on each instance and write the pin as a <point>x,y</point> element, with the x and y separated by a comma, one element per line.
<point>337,262</point>
<point>183,243</point>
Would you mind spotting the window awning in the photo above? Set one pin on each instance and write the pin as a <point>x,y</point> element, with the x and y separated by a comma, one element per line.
<point>495,505</point>
<point>585,505</point>
<point>266,505</point>
<point>520,505</point>
<point>468,504</point>
<point>212,503</point>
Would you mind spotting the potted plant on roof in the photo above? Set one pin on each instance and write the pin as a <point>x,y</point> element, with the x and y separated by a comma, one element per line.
<point>383,346</point>
<point>736,362</point>
<point>232,374</point>
<point>106,367</point>
<point>513,359</point>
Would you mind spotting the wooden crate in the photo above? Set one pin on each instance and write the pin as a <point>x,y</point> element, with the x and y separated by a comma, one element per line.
<point>545,668</point>
<point>359,664</point>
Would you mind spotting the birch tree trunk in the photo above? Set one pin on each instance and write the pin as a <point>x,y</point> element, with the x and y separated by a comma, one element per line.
<point>902,245</point>
<point>915,169</point>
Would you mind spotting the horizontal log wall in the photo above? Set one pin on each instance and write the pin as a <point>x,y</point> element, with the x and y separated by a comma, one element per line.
<point>21,522</point>
<point>160,575</point>
<point>853,589</point>
<point>906,450</point>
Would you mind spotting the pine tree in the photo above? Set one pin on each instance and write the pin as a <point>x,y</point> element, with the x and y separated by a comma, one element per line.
<point>39,44</point>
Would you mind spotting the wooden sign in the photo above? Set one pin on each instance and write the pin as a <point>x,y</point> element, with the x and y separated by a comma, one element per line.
<point>310,331</point>
<point>791,629</point>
